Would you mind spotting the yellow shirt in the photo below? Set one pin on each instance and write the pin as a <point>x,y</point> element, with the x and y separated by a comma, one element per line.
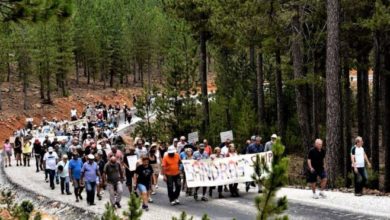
<point>27,148</point>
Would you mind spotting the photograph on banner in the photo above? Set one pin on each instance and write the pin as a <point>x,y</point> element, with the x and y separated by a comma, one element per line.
<point>193,137</point>
<point>222,171</point>
<point>132,159</point>
<point>226,135</point>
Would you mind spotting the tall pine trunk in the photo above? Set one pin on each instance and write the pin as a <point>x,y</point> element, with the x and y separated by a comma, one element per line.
<point>386,109</point>
<point>203,76</point>
<point>347,121</point>
<point>301,90</point>
<point>260,89</point>
<point>279,91</point>
<point>375,120</point>
<point>363,102</point>
<point>333,111</point>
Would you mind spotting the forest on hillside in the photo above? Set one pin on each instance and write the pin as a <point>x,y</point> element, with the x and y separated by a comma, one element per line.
<point>280,66</point>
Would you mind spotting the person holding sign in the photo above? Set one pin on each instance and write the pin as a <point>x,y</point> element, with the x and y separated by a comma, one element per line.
<point>201,154</point>
<point>128,164</point>
<point>171,171</point>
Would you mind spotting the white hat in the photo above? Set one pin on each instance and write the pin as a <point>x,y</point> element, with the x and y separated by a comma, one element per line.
<point>274,136</point>
<point>154,144</point>
<point>183,138</point>
<point>50,149</point>
<point>64,156</point>
<point>175,140</point>
<point>147,144</point>
<point>171,149</point>
<point>91,157</point>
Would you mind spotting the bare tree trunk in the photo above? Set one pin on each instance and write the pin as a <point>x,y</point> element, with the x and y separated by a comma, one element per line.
<point>260,89</point>
<point>363,103</point>
<point>149,73</point>
<point>386,108</point>
<point>42,85</point>
<point>135,71</point>
<point>333,111</point>
<point>301,97</point>
<point>77,69</point>
<point>347,121</point>
<point>279,92</point>
<point>375,107</point>
<point>203,76</point>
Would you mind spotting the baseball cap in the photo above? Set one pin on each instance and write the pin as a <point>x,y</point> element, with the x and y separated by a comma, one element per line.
<point>91,157</point>
<point>50,149</point>
<point>175,140</point>
<point>201,146</point>
<point>183,138</point>
<point>274,136</point>
<point>147,144</point>
<point>253,138</point>
<point>64,156</point>
<point>171,149</point>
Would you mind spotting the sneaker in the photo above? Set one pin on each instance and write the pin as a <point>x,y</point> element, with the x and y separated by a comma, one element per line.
<point>150,200</point>
<point>204,198</point>
<point>358,194</point>
<point>156,186</point>
<point>173,203</point>
<point>81,198</point>
<point>68,193</point>
<point>145,207</point>
<point>225,189</point>
<point>177,201</point>
<point>322,195</point>
<point>315,196</point>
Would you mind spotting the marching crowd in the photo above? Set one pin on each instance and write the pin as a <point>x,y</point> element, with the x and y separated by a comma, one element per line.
<point>90,158</point>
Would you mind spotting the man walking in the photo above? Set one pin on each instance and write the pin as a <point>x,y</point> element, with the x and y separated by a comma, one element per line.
<point>315,164</point>
<point>113,175</point>
<point>269,144</point>
<point>358,159</point>
<point>90,172</point>
<point>201,154</point>
<point>50,164</point>
<point>171,173</point>
<point>63,173</point>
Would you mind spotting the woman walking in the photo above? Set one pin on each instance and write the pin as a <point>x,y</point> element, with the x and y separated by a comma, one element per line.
<point>18,151</point>
<point>7,152</point>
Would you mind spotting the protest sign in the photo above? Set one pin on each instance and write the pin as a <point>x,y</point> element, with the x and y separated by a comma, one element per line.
<point>193,137</point>
<point>132,160</point>
<point>226,135</point>
<point>12,140</point>
<point>222,171</point>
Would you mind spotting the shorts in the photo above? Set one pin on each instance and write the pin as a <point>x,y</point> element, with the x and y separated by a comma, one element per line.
<point>129,179</point>
<point>156,169</point>
<point>312,178</point>
<point>142,188</point>
<point>8,153</point>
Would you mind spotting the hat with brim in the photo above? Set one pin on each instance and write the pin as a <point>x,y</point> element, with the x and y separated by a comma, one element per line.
<point>274,136</point>
<point>50,149</point>
<point>171,150</point>
<point>91,157</point>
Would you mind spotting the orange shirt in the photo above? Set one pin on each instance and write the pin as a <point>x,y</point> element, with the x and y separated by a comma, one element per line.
<point>171,165</point>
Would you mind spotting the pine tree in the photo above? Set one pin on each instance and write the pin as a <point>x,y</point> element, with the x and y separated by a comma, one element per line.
<point>134,210</point>
<point>272,179</point>
<point>109,213</point>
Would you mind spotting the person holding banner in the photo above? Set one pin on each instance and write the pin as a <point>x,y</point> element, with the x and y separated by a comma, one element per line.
<point>233,187</point>
<point>217,154</point>
<point>201,155</point>
<point>185,155</point>
<point>171,171</point>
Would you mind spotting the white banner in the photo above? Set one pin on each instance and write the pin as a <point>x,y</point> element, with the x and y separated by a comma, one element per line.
<point>222,171</point>
<point>226,135</point>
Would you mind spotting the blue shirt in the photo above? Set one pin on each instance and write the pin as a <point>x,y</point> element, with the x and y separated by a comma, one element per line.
<point>75,166</point>
<point>200,156</point>
<point>90,171</point>
<point>254,148</point>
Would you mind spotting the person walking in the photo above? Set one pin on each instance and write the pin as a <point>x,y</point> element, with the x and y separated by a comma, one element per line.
<point>201,154</point>
<point>233,188</point>
<point>154,162</point>
<point>18,151</point>
<point>75,166</point>
<point>217,154</point>
<point>143,181</point>
<point>26,150</point>
<point>89,174</point>
<point>254,148</point>
<point>63,173</point>
<point>7,151</point>
<point>185,155</point>
<point>38,151</point>
<point>358,159</point>
<point>101,163</point>
<point>269,144</point>
<point>50,164</point>
<point>315,164</point>
<point>113,176</point>
<point>129,173</point>
<point>171,172</point>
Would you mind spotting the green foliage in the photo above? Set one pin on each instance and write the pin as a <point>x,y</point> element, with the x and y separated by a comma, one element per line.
<point>109,213</point>
<point>134,208</point>
<point>20,211</point>
<point>272,179</point>
<point>183,216</point>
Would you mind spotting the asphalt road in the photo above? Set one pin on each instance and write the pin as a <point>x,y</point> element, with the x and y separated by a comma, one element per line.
<point>242,208</point>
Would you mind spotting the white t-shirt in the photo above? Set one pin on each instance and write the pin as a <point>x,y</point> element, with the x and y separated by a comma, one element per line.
<point>224,150</point>
<point>51,160</point>
<point>73,113</point>
<point>359,156</point>
<point>65,171</point>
